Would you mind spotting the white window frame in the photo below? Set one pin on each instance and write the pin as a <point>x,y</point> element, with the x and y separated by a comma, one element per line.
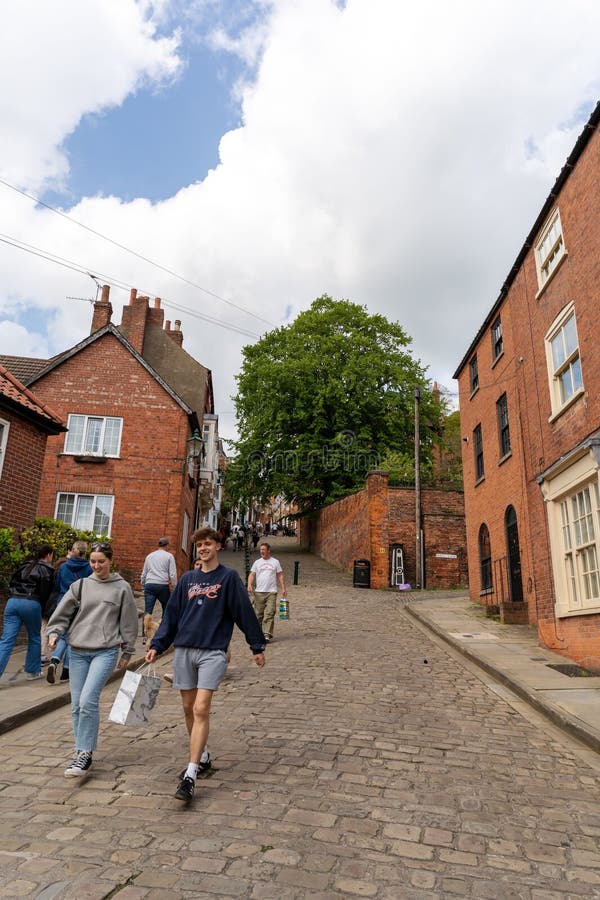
<point>573,507</point>
<point>4,429</point>
<point>80,450</point>
<point>77,499</point>
<point>549,248</point>
<point>566,370</point>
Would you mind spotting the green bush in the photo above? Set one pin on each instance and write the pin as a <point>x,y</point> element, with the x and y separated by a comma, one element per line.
<point>10,557</point>
<point>43,531</point>
<point>58,534</point>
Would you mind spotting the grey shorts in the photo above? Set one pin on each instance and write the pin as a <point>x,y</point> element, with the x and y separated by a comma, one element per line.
<point>204,669</point>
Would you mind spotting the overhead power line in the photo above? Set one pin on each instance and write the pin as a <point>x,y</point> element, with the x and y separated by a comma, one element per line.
<point>146,259</point>
<point>115,282</point>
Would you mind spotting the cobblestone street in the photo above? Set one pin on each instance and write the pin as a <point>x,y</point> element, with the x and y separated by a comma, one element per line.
<point>365,760</point>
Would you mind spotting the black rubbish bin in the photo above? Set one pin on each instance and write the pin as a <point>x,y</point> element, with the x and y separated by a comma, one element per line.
<point>362,573</point>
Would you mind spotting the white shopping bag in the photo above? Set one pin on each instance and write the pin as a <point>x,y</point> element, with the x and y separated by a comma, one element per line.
<point>135,699</point>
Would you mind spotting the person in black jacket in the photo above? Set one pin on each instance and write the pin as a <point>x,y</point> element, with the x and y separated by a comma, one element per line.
<point>199,620</point>
<point>30,587</point>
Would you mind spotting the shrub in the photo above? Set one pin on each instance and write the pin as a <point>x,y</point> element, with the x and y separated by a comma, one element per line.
<point>10,557</point>
<point>58,534</point>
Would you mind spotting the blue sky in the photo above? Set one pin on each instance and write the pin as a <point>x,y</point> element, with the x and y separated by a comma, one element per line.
<point>158,141</point>
<point>271,151</point>
<point>162,137</point>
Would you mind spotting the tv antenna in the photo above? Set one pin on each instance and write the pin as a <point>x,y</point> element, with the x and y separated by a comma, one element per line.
<point>89,299</point>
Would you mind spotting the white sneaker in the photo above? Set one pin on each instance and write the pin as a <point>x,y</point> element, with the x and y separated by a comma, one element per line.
<point>31,676</point>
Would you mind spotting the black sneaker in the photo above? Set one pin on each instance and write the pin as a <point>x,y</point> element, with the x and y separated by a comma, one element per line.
<point>81,764</point>
<point>185,791</point>
<point>51,672</point>
<point>64,675</point>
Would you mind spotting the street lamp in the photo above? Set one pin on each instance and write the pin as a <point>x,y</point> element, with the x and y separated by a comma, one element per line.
<point>418,532</point>
<point>195,445</point>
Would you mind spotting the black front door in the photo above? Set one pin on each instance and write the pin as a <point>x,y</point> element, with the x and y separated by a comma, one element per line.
<point>514,556</point>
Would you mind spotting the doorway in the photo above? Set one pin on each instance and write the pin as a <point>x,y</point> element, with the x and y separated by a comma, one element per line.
<point>514,556</point>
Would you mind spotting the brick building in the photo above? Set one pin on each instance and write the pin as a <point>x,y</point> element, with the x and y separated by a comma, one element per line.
<point>25,424</point>
<point>529,387</point>
<point>132,399</point>
<point>377,524</point>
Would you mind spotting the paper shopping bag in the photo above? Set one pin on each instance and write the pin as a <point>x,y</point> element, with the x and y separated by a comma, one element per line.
<point>135,699</point>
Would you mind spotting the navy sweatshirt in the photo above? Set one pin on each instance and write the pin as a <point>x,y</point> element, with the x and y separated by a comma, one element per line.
<point>202,611</point>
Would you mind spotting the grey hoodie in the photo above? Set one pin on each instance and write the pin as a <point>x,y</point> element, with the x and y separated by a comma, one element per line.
<point>108,616</point>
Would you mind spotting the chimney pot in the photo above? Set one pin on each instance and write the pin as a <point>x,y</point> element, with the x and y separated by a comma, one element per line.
<point>132,296</point>
<point>157,303</point>
<point>105,293</point>
<point>177,325</point>
<point>168,325</point>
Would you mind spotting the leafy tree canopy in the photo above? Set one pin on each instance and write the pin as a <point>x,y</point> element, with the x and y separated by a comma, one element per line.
<point>322,401</point>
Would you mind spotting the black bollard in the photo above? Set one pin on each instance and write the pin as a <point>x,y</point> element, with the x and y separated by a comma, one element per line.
<point>296,567</point>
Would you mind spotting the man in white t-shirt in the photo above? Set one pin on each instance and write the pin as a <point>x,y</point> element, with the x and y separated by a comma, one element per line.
<point>265,574</point>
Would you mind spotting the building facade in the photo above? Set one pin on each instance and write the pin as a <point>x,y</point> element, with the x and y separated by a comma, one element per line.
<point>25,425</point>
<point>529,388</point>
<point>132,464</point>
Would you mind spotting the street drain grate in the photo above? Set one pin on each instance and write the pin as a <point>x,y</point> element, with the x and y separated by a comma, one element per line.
<point>573,671</point>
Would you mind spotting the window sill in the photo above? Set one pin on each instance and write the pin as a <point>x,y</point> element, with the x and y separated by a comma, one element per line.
<point>473,392</point>
<point>479,480</point>
<point>90,459</point>
<point>487,592</point>
<point>569,613</point>
<point>503,459</point>
<point>551,276</point>
<point>556,415</point>
<point>497,359</point>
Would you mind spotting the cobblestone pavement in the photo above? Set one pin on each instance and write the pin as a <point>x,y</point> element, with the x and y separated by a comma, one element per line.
<point>365,760</point>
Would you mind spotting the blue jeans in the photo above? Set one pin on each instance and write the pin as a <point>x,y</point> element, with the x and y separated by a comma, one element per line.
<point>89,672</point>
<point>152,593</point>
<point>22,611</point>
<point>62,649</point>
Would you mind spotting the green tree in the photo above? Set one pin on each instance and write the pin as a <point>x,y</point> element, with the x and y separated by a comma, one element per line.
<point>322,401</point>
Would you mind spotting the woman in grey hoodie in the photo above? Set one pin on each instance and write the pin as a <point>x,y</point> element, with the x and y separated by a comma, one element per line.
<point>98,614</point>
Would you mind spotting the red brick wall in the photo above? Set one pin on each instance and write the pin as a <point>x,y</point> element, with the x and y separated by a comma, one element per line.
<point>367,524</point>
<point>537,443</point>
<point>339,533</point>
<point>21,472</point>
<point>150,491</point>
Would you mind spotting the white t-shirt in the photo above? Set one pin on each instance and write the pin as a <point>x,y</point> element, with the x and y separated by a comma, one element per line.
<point>266,571</point>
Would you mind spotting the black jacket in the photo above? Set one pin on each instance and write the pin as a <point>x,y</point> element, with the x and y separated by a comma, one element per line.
<point>33,580</point>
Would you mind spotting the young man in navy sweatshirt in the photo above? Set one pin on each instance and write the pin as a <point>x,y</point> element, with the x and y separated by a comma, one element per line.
<point>198,620</point>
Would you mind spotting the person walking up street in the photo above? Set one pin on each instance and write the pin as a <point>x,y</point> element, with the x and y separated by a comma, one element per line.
<point>98,615</point>
<point>29,589</point>
<point>264,575</point>
<point>199,620</point>
<point>159,577</point>
<point>74,567</point>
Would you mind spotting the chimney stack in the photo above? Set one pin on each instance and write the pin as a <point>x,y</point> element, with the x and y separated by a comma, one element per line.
<point>102,310</point>
<point>134,319</point>
<point>176,334</point>
<point>156,315</point>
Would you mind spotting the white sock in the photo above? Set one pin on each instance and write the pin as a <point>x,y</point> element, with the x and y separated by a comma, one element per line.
<point>191,771</point>
<point>205,756</point>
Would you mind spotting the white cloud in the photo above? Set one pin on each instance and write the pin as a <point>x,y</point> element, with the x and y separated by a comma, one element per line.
<point>61,60</point>
<point>396,155</point>
<point>16,340</point>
